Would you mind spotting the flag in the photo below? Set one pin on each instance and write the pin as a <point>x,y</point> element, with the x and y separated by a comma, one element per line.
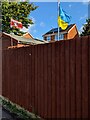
<point>63,18</point>
<point>16,24</point>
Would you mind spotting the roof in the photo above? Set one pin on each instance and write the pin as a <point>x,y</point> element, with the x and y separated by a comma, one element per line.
<point>23,40</point>
<point>55,30</point>
<point>27,35</point>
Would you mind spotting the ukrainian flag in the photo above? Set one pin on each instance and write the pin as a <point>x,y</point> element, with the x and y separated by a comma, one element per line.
<point>63,18</point>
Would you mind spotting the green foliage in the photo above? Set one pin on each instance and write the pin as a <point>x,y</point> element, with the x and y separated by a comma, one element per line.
<point>86,28</point>
<point>14,108</point>
<point>18,11</point>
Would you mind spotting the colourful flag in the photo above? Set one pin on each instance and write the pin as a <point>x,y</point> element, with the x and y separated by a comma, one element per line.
<point>63,18</point>
<point>16,24</point>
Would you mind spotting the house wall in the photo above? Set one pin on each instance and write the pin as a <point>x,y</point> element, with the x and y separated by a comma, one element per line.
<point>72,33</point>
<point>65,37</point>
<point>53,38</point>
<point>6,41</point>
<point>45,38</point>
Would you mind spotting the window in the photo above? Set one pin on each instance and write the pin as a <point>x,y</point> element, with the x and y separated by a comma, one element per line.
<point>56,37</point>
<point>61,37</point>
<point>48,38</point>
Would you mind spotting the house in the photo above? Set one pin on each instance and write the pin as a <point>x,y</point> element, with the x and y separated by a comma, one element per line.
<point>70,33</point>
<point>28,39</point>
<point>12,40</point>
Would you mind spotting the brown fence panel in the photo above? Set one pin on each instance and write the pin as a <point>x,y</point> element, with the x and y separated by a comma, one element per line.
<point>67,77</point>
<point>85,76</point>
<point>62,80</point>
<point>53,83</point>
<point>89,83</point>
<point>42,82</point>
<point>72,78</point>
<point>51,80</point>
<point>58,98</point>
<point>45,79</point>
<point>78,78</point>
<point>36,79</point>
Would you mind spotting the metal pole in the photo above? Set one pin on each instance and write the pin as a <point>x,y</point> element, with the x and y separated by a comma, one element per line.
<point>58,15</point>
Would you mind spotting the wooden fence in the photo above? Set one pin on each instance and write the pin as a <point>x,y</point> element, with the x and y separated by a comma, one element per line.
<point>52,80</point>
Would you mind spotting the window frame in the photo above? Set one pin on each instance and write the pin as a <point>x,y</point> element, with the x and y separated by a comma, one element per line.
<point>61,37</point>
<point>49,38</point>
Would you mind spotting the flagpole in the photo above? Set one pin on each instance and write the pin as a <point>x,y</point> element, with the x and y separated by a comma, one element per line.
<point>57,18</point>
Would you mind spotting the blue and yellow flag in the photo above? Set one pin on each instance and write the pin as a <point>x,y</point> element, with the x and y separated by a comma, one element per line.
<point>63,19</point>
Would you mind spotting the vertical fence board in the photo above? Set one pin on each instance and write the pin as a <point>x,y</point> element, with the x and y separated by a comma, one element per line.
<point>49,85</point>
<point>4,73</point>
<point>42,83</point>
<point>8,68</point>
<point>57,53</point>
<point>23,93</point>
<point>39,79</point>
<point>72,77</point>
<point>45,80</point>
<point>17,84</point>
<point>53,63</point>
<point>85,78</point>
<point>36,83</point>
<point>33,78</point>
<point>78,78</point>
<point>15,76</point>
<point>67,78</point>
<point>89,82</point>
<point>30,80</point>
<point>12,75</point>
<point>23,77</point>
<point>62,77</point>
<point>27,78</point>
<point>18,76</point>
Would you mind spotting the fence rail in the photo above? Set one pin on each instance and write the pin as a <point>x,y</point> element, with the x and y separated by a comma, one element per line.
<point>52,80</point>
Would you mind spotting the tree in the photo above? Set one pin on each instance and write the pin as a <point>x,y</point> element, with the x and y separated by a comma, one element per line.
<point>18,11</point>
<point>86,28</point>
